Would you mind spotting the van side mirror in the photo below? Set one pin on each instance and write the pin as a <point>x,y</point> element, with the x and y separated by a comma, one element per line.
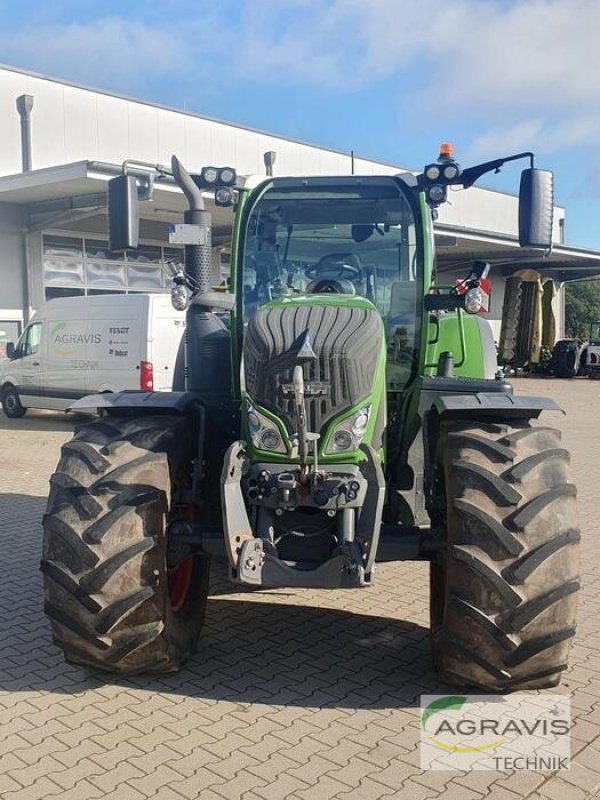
<point>123,213</point>
<point>10,350</point>
<point>536,208</point>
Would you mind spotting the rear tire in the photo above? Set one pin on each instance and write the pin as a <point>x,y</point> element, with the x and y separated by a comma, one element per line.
<point>11,403</point>
<point>504,596</point>
<point>112,602</point>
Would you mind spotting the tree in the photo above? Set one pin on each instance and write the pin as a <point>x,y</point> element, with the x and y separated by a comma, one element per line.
<point>582,306</point>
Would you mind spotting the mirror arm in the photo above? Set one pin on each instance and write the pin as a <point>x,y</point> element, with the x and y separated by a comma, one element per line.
<point>472,174</point>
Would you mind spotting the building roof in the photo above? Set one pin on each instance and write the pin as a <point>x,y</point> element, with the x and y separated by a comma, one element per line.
<point>60,195</point>
<point>456,246</point>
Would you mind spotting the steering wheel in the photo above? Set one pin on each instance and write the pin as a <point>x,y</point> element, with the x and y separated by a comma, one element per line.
<point>332,269</point>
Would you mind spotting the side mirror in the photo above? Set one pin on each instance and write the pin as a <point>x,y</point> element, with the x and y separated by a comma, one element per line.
<point>536,208</point>
<point>10,350</point>
<point>123,213</point>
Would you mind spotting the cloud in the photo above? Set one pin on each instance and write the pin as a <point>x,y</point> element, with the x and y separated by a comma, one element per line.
<point>114,52</point>
<point>507,70</point>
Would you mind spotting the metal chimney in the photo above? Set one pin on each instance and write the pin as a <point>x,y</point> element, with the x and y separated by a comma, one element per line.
<point>24,106</point>
<point>269,158</point>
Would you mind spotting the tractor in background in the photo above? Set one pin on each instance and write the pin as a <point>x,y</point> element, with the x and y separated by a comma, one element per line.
<point>348,412</point>
<point>590,357</point>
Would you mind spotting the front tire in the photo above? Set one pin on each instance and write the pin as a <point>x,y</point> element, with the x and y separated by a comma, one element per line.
<point>504,596</point>
<point>112,600</point>
<point>11,403</point>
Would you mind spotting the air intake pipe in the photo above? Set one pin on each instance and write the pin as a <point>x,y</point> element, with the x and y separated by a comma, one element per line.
<point>198,257</point>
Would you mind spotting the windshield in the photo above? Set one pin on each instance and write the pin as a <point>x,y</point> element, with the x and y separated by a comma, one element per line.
<point>357,239</point>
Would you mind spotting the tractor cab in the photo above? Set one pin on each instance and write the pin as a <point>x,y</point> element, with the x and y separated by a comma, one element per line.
<point>356,237</point>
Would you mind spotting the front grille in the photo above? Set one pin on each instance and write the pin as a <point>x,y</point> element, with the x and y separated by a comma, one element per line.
<point>346,340</point>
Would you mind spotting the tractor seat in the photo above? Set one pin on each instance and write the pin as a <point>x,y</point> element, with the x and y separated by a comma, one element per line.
<point>334,273</point>
<point>403,302</point>
<point>330,286</point>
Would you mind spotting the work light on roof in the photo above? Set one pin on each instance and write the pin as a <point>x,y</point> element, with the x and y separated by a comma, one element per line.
<point>227,176</point>
<point>437,193</point>
<point>209,175</point>
<point>451,171</point>
<point>224,196</point>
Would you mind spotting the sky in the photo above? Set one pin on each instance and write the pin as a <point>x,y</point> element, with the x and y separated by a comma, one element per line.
<point>389,79</point>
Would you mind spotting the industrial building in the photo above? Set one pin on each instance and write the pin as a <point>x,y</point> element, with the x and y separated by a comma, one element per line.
<point>62,142</point>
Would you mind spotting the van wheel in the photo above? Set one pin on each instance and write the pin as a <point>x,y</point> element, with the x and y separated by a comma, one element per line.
<point>119,596</point>
<point>11,403</point>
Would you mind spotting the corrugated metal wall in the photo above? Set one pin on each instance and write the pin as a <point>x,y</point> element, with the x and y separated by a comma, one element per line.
<point>73,124</point>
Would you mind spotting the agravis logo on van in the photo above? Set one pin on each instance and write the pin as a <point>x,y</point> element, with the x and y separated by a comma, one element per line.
<point>60,335</point>
<point>78,338</point>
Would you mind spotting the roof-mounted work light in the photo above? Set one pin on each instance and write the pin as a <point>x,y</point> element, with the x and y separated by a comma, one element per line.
<point>221,179</point>
<point>215,177</point>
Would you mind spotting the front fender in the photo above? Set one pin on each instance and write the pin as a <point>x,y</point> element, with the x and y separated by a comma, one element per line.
<point>138,401</point>
<point>486,404</point>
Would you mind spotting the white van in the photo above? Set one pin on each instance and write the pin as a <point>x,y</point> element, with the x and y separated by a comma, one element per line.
<point>76,346</point>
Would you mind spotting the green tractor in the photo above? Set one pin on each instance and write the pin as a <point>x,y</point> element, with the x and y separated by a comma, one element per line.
<point>334,408</point>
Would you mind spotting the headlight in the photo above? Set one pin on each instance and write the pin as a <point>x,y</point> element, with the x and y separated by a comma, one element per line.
<point>342,440</point>
<point>264,432</point>
<point>473,301</point>
<point>360,423</point>
<point>270,439</point>
<point>349,433</point>
<point>179,297</point>
<point>253,422</point>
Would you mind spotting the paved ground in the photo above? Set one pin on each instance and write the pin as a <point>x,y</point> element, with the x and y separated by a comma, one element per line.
<point>293,694</point>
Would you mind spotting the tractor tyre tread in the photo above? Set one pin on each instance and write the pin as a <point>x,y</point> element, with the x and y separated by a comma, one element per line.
<point>504,595</point>
<point>104,548</point>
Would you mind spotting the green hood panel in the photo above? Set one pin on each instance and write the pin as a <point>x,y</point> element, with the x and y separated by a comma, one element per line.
<point>339,342</point>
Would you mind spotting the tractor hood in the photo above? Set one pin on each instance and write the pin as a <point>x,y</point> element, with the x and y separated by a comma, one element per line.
<point>339,343</point>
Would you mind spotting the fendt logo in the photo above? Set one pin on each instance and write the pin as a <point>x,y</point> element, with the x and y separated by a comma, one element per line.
<point>311,389</point>
<point>492,732</point>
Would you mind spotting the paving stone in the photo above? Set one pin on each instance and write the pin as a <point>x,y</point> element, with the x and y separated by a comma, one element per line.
<point>583,777</point>
<point>280,786</point>
<point>293,694</point>
<point>109,781</point>
<point>455,791</point>
<point>153,782</point>
<point>38,790</point>
<point>559,789</point>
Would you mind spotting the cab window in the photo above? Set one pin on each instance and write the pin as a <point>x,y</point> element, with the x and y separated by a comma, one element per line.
<point>358,239</point>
